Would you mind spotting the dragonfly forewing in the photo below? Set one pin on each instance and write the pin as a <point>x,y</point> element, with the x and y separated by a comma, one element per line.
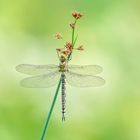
<point>36,69</point>
<point>87,69</point>
<point>80,80</point>
<point>41,81</point>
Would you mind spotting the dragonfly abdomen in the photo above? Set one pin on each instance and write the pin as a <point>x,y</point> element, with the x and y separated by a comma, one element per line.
<point>63,96</point>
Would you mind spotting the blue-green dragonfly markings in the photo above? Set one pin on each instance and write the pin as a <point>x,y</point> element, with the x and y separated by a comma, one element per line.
<point>44,76</point>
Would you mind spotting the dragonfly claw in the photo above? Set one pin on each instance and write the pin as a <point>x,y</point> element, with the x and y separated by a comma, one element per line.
<point>63,118</point>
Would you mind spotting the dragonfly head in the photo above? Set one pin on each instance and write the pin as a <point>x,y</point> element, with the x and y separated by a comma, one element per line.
<point>62,59</point>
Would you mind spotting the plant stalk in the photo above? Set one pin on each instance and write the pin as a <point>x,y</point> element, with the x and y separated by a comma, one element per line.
<point>51,110</point>
<point>56,93</point>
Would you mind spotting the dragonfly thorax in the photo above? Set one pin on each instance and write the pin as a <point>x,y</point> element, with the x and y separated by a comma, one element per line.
<point>62,67</point>
<point>63,63</point>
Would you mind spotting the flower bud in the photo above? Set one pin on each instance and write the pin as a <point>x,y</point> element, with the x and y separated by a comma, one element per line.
<point>58,36</point>
<point>68,46</point>
<point>80,48</point>
<point>72,25</point>
<point>59,50</point>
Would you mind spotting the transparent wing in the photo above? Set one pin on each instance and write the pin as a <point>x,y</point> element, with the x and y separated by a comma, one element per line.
<point>36,69</point>
<point>87,69</point>
<point>81,80</point>
<point>41,81</point>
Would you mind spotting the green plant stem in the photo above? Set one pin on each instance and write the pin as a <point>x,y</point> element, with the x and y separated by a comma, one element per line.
<point>51,110</point>
<point>73,31</point>
<point>73,40</point>
<point>56,93</point>
<point>73,36</point>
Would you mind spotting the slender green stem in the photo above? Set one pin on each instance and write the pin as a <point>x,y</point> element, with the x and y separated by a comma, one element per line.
<point>56,93</point>
<point>73,31</point>
<point>73,40</point>
<point>51,110</point>
<point>73,36</point>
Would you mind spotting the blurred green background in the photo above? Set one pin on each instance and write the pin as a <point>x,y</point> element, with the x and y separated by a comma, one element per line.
<point>110,33</point>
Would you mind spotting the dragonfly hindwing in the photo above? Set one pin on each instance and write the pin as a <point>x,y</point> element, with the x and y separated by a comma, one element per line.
<point>81,80</point>
<point>42,81</point>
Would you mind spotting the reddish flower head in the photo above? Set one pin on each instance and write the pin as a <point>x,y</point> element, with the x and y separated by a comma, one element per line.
<point>77,15</point>
<point>72,25</point>
<point>68,46</point>
<point>59,50</point>
<point>58,36</point>
<point>80,48</point>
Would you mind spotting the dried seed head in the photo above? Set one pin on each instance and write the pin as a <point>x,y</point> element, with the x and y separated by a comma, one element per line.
<point>77,15</point>
<point>65,52</point>
<point>72,25</point>
<point>58,36</point>
<point>80,48</point>
<point>59,50</point>
<point>68,46</point>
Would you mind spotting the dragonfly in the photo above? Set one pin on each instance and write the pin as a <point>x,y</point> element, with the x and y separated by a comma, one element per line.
<point>45,76</point>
